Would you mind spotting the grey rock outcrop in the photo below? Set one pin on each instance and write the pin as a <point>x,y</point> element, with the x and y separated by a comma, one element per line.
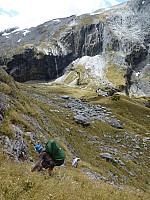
<point>80,119</point>
<point>85,112</point>
<point>112,159</point>
<point>17,148</point>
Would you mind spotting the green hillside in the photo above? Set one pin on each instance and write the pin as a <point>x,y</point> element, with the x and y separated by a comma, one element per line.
<point>42,109</point>
<point>17,182</point>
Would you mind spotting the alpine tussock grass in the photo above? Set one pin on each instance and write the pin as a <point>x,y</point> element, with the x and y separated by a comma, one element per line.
<point>18,182</point>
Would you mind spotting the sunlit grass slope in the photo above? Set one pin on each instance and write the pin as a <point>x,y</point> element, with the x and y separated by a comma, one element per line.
<point>68,183</point>
<point>39,109</point>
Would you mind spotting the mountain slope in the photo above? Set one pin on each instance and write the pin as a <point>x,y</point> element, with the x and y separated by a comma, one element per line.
<point>105,132</point>
<point>119,36</point>
<point>67,183</point>
<point>102,56</point>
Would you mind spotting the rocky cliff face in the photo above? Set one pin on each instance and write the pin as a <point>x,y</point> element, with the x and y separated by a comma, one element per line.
<point>119,36</point>
<point>132,34</point>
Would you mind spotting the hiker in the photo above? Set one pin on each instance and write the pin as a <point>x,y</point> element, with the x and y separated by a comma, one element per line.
<point>75,162</point>
<point>49,157</point>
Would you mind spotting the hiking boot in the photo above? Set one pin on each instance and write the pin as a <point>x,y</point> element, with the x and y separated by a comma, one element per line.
<point>50,172</point>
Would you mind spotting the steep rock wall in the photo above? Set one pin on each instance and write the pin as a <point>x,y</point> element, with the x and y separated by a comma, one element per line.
<point>121,35</point>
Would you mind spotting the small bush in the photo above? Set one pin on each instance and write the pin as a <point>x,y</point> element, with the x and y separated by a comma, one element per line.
<point>115,97</point>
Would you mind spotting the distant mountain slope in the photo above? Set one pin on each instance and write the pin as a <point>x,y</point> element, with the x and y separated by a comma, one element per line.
<point>118,36</point>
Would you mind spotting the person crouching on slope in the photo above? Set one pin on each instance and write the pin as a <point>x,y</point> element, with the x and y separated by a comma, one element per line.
<point>49,160</point>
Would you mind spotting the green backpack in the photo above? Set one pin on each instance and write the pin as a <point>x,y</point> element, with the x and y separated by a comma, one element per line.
<point>55,150</point>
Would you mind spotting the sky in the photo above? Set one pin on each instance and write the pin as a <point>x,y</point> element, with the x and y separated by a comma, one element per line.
<point>29,13</point>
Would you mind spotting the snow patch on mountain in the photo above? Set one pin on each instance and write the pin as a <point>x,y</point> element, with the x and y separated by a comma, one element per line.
<point>96,65</point>
<point>93,71</point>
<point>56,20</point>
<point>25,32</point>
